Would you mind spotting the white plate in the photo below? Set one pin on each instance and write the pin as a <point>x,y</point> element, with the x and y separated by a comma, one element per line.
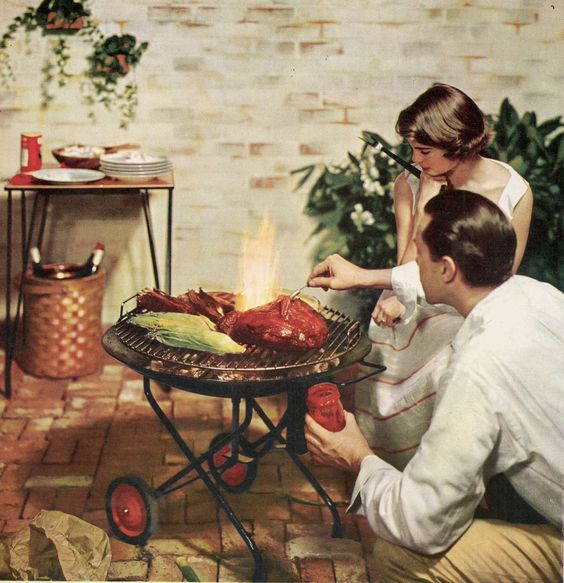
<point>134,157</point>
<point>67,175</point>
<point>136,168</point>
<point>136,178</point>
<point>136,172</point>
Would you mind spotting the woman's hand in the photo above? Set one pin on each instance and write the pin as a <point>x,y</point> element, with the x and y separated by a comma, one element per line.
<point>344,450</point>
<point>388,312</point>
<point>336,273</point>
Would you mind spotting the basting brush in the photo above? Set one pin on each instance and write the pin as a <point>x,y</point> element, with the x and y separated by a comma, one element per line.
<point>372,140</point>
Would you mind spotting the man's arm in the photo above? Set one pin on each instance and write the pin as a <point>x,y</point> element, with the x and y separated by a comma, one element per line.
<point>429,505</point>
<point>337,273</point>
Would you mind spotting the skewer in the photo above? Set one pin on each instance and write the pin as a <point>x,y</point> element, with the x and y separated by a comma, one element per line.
<point>370,139</point>
<point>297,292</point>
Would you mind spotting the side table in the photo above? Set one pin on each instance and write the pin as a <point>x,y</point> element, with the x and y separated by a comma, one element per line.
<point>24,184</point>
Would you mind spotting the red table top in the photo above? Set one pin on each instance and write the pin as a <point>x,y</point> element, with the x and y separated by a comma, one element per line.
<point>28,182</point>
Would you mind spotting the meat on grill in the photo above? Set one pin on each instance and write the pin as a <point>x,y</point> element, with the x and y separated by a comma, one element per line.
<point>284,324</point>
<point>214,306</point>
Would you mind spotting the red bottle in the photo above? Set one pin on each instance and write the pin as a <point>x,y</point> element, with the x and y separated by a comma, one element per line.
<point>324,405</point>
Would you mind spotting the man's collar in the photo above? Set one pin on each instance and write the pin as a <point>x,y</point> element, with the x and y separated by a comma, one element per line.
<point>480,315</point>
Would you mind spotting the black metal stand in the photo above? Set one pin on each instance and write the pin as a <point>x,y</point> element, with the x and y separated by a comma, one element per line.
<point>254,450</point>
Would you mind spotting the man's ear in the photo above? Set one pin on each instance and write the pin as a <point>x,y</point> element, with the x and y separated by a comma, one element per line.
<point>448,269</point>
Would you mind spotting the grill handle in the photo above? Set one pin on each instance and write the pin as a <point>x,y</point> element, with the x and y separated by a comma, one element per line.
<point>378,368</point>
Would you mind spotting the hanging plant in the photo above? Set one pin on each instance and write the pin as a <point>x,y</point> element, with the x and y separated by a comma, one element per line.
<point>110,63</point>
<point>61,15</point>
<point>50,17</point>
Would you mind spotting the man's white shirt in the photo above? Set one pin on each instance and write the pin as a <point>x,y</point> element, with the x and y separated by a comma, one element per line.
<point>500,408</point>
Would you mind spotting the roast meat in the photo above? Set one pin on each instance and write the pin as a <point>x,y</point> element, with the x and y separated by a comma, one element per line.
<point>214,305</point>
<point>284,324</point>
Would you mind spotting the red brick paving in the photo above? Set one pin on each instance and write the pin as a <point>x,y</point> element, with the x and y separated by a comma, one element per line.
<point>63,441</point>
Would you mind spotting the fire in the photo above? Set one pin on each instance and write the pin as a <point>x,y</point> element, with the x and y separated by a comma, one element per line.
<point>258,280</point>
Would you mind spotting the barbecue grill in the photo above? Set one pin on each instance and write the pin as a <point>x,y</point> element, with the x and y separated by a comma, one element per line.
<point>231,458</point>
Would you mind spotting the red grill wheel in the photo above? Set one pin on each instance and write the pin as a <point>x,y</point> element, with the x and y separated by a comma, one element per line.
<point>130,509</point>
<point>238,477</point>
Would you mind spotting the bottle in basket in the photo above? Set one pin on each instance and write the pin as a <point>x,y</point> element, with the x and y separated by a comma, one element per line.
<point>30,152</point>
<point>93,262</point>
<point>36,267</point>
<point>324,405</point>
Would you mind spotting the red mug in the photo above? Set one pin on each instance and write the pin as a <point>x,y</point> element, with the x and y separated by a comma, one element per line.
<point>324,405</point>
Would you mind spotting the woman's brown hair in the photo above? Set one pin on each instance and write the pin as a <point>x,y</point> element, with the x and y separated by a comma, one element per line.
<point>444,117</point>
<point>475,233</point>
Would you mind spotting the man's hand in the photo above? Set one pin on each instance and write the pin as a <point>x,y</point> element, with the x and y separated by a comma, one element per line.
<point>344,450</point>
<point>335,273</point>
<point>388,312</point>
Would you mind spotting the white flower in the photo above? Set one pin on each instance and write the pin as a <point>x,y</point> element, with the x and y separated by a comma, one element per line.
<point>378,189</point>
<point>360,217</point>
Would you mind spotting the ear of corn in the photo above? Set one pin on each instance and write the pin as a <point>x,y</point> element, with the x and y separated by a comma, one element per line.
<point>200,339</point>
<point>172,320</point>
<point>187,331</point>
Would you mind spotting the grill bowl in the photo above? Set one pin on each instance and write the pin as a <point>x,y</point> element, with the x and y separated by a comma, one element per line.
<point>258,372</point>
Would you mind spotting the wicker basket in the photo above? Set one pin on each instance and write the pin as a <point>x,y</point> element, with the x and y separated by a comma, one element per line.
<point>62,326</point>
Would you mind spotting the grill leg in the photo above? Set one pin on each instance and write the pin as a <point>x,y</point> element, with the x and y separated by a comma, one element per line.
<point>259,573</point>
<point>295,438</point>
<point>337,530</point>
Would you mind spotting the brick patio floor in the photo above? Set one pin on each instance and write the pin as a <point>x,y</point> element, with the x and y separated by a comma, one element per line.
<point>64,441</point>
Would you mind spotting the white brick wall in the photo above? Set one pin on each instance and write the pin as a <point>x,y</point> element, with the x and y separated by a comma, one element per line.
<point>238,93</point>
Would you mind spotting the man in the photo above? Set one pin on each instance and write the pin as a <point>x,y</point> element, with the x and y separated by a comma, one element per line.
<point>500,410</point>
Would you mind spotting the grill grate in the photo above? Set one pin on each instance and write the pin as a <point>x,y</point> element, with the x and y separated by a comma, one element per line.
<point>344,335</point>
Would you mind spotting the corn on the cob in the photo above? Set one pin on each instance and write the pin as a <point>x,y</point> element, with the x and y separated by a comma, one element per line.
<point>200,339</point>
<point>172,320</point>
<point>187,331</point>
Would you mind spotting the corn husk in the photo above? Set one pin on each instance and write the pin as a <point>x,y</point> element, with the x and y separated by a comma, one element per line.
<point>187,331</point>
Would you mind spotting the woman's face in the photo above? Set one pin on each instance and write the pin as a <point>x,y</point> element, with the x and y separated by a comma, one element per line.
<point>432,160</point>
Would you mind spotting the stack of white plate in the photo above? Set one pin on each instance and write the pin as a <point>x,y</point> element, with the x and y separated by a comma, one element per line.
<point>134,166</point>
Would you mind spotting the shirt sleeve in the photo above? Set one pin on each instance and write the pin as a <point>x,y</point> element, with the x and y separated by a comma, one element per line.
<point>406,284</point>
<point>429,505</point>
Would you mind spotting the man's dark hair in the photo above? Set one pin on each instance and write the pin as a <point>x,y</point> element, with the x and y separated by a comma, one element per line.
<point>474,232</point>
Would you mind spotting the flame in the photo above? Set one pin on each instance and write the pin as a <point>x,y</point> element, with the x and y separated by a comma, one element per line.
<point>259,280</point>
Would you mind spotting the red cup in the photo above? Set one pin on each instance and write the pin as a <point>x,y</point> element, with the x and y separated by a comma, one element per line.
<point>324,405</point>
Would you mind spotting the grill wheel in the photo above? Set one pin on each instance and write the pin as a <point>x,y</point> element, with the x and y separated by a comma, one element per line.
<point>131,509</point>
<point>237,478</point>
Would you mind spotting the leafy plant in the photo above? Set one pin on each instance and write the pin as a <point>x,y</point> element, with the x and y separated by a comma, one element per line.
<point>109,63</point>
<point>353,207</point>
<point>60,16</point>
<point>536,151</point>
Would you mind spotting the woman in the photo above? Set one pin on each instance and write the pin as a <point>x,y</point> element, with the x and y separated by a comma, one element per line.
<point>447,132</point>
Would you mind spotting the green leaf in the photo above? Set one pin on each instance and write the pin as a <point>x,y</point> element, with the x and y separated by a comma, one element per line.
<point>308,170</point>
<point>550,125</point>
<point>508,115</point>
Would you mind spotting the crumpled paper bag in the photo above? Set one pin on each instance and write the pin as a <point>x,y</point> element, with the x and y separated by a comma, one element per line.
<point>56,546</point>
